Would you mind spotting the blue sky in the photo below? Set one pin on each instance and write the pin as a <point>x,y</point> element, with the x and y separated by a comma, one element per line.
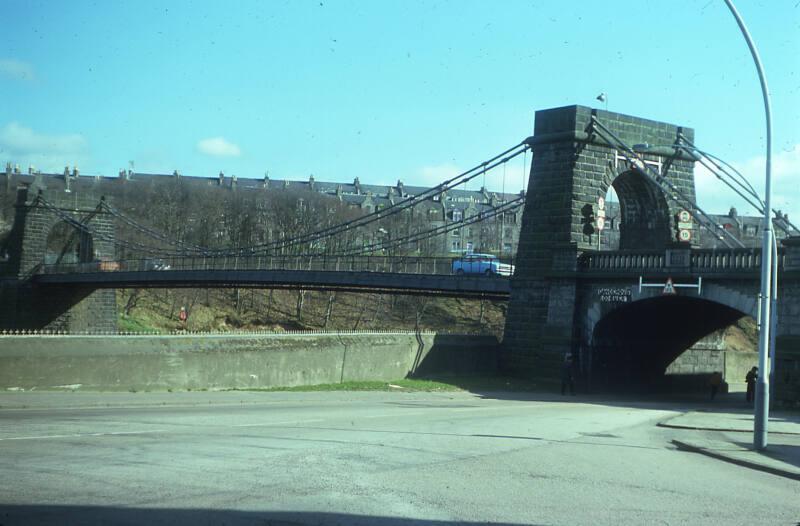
<point>383,90</point>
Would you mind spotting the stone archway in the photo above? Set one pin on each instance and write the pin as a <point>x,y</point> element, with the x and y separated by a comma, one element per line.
<point>66,244</point>
<point>644,215</point>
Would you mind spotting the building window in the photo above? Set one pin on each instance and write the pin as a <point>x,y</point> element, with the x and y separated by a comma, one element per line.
<point>457,215</point>
<point>456,232</point>
<point>507,247</point>
<point>455,246</point>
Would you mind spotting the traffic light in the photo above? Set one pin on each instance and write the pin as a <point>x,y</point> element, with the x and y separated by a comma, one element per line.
<point>587,219</point>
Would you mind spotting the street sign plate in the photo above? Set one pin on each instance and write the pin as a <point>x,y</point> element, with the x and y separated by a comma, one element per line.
<point>601,203</point>
<point>601,213</point>
<point>688,225</point>
<point>601,223</point>
<point>614,294</point>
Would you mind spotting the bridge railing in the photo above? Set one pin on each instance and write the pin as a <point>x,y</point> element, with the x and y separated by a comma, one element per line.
<point>622,260</point>
<point>745,260</point>
<point>390,264</point>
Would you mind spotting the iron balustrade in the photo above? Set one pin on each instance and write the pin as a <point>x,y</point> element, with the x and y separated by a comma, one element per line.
<point>622,260</point>
<point>745,260</point>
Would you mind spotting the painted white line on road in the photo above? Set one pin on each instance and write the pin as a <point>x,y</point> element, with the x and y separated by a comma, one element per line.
<point>84,435</point>
<point>268,424</point>
<point>392,415</point>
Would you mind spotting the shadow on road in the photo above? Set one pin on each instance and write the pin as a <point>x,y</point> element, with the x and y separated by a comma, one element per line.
<point>788,453</point>
<point>754,464</point>
<point>45,514</point>
<point>509,388</point>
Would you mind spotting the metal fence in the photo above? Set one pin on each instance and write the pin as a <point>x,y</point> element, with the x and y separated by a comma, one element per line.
<point>390,264</point>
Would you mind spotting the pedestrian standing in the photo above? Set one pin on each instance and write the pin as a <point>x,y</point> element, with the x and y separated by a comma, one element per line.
<point>567,377</point>
<point>183,316</point>
<point>715,381</point>
<point>751,378</point>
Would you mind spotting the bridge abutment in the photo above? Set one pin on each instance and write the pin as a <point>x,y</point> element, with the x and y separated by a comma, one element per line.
<point>572,168</point>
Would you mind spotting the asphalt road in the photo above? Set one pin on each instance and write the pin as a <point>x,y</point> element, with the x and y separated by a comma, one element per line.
<point>364,458</point>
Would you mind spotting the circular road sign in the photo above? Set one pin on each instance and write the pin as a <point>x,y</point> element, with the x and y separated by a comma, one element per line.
<point>685,235</point>
<point>601,203</point>
<point>601,223</point>
<point>684,217</point>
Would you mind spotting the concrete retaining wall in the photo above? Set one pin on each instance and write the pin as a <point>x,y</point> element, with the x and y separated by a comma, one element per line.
<point>693,368</point>
<point>121,363</point>
<point>737,364</point>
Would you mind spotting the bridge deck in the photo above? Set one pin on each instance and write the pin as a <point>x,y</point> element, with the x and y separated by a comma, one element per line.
<point>419,284</point>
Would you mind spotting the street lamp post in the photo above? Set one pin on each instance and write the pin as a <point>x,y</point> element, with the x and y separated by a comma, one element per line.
<point>762,385</point>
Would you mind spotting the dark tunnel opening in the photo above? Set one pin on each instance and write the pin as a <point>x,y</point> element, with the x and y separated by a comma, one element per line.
<point>633,345</point>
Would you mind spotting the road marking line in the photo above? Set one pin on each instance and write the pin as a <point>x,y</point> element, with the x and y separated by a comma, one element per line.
<point>267,424</point>
<point>81,435</point>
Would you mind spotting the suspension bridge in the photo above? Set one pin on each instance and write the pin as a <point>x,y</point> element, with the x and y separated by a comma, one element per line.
<point>558,297</point>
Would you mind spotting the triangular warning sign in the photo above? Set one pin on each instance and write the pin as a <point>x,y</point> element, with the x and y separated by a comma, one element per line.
<point>669,288</point>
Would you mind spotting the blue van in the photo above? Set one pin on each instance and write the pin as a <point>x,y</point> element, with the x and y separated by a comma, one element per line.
<point>485,264</point>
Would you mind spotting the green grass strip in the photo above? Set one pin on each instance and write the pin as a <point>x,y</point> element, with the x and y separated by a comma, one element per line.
<point>416,385</point>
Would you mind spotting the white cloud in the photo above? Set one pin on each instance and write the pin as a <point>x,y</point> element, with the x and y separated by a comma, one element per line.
<point>19,139</point>
<point>23,145</point>
<point>218,147</point>
<point>17,70</point>
<point>715,197</point>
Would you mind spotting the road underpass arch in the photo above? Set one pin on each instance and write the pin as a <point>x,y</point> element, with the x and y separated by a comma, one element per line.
<point>633,345</point>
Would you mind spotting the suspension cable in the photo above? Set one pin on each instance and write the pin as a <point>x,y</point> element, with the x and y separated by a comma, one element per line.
<point>187,249</point>
<point>360,221</point>
<point>721,165</point>
<point>387,212</point>
<point>436,231</point>
<point>695,211</point>
<point>147,230</point>
<point>99,234</point>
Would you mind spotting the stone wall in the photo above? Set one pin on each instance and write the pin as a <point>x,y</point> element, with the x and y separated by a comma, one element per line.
<point>114,363</point>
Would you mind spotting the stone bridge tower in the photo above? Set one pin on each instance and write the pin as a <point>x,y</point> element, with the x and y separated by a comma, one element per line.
<point>42,236</point>
<point>572,168</point>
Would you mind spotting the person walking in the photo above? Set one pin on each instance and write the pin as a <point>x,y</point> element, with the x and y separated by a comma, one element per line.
<point>751,378</point>
<point>567,377</point>
<point>715,381</point>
